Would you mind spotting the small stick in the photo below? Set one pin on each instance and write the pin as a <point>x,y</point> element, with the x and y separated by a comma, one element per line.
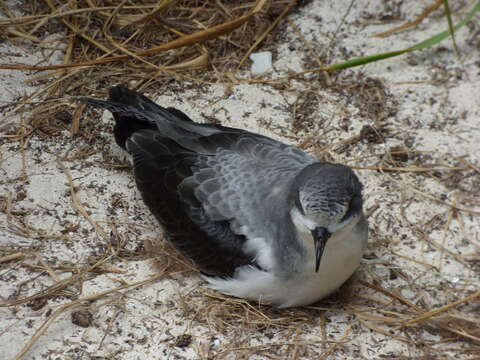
<point>14,256</point>
<point>47,267</point>
<point>441,309</point>
<point>392,294</point>
<point>78,205</point>
<point>64,307</point>
<point>414,22</point>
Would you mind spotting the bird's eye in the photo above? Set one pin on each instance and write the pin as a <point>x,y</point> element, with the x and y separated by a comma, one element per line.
<point>353,207</point>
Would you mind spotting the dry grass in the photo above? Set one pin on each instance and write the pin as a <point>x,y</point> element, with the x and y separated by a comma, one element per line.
<point>144,45</point>
<point>149,44</point>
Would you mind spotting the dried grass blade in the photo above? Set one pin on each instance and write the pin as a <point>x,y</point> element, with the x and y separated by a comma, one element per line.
<point>392,294</point>
<point>160,8</point>
<point>14,256</point>
<point>78,205</point>
<point>195,63</point>
<point>409,24</point>
<point>191,39</point>
<point>53,289</point>
<point>447,307</point>
<point>62,308</point>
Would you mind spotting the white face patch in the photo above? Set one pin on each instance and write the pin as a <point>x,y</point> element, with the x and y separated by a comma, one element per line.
<point>336,227</point>
<point>301,221</point>
<point>306,224</point>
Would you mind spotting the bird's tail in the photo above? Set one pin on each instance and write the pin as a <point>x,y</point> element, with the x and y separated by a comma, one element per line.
<point>130,111</point>
<point>133,112</point>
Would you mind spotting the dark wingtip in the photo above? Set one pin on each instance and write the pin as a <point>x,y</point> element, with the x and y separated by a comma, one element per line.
<point>123,95</point>
<point>120,93</point>
<point>90,101</point>
<point>81,99</point>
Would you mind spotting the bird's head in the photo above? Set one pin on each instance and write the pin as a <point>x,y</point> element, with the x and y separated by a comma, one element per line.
<point>325,199</point>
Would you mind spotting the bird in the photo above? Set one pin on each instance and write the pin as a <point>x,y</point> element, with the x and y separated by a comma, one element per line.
<point>260,219</point>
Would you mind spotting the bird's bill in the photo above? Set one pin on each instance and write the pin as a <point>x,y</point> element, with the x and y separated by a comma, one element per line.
<point>320,238</point>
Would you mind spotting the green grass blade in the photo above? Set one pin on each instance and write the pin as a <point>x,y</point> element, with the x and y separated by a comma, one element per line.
<point>448,15</point>
<point>421,45</point>
<point>444,34</point>
<point>364,60</point>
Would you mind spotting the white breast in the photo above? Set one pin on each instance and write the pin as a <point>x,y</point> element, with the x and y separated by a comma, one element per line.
<point>340,259</point>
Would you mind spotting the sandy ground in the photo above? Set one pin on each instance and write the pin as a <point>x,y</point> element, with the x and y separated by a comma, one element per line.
<point>67,203</point>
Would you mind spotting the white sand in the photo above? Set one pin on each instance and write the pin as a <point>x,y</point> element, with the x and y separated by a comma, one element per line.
<point>431,102</point>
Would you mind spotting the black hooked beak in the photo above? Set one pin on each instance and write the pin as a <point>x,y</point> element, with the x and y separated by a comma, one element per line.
<point>320,238</point>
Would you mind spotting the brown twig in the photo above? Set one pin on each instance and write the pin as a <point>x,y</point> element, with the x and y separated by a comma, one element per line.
<point>14,256</point>
<point>77,205</point>
<point>41,330</point>
<point>412,23</point>
<point>429,314</point>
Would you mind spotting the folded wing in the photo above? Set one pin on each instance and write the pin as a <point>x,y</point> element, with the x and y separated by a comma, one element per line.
<point>211,187</point>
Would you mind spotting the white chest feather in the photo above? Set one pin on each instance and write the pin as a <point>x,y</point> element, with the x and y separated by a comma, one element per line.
<point>340,259</point>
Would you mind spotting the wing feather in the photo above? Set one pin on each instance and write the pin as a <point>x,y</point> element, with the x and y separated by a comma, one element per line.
<point>160,165</point>
<point>214,189</point>
<point>212,193</point>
